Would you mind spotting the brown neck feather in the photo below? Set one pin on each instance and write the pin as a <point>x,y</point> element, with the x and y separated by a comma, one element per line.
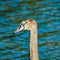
<point>33,44</point>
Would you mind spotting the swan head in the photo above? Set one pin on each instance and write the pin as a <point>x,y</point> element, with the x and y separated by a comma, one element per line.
<point>28,24</point>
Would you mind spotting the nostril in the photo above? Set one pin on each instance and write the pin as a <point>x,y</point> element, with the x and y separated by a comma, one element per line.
<point>19,26</point>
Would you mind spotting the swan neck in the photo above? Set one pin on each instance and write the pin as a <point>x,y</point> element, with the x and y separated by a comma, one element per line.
<point>33,44</point>
<point>33,33</point>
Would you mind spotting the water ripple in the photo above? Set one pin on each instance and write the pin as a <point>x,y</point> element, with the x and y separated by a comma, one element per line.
<point>47,15</point>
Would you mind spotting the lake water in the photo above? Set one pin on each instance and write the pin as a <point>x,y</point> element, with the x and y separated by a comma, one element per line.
<point>47,15</point>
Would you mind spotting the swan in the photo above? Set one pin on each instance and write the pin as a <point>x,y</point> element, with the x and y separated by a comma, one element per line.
<point>31,25</point>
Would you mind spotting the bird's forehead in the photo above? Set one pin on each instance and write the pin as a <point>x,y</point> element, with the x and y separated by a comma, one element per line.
<point>23,21</point>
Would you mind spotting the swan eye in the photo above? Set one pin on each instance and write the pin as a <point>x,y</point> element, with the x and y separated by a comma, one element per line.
<point>26,22</point>
<point>22,25</point>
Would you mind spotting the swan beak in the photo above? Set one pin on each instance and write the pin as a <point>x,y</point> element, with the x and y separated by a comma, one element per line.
<point>18,29</point>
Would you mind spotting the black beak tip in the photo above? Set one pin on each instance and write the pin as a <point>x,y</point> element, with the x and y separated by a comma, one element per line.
<point>13,33</point>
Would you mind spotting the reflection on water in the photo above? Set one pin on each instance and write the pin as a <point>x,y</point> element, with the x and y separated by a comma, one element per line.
<point>47,15</point>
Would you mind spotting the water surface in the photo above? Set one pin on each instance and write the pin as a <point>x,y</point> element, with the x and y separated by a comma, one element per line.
<point>47,15</point>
